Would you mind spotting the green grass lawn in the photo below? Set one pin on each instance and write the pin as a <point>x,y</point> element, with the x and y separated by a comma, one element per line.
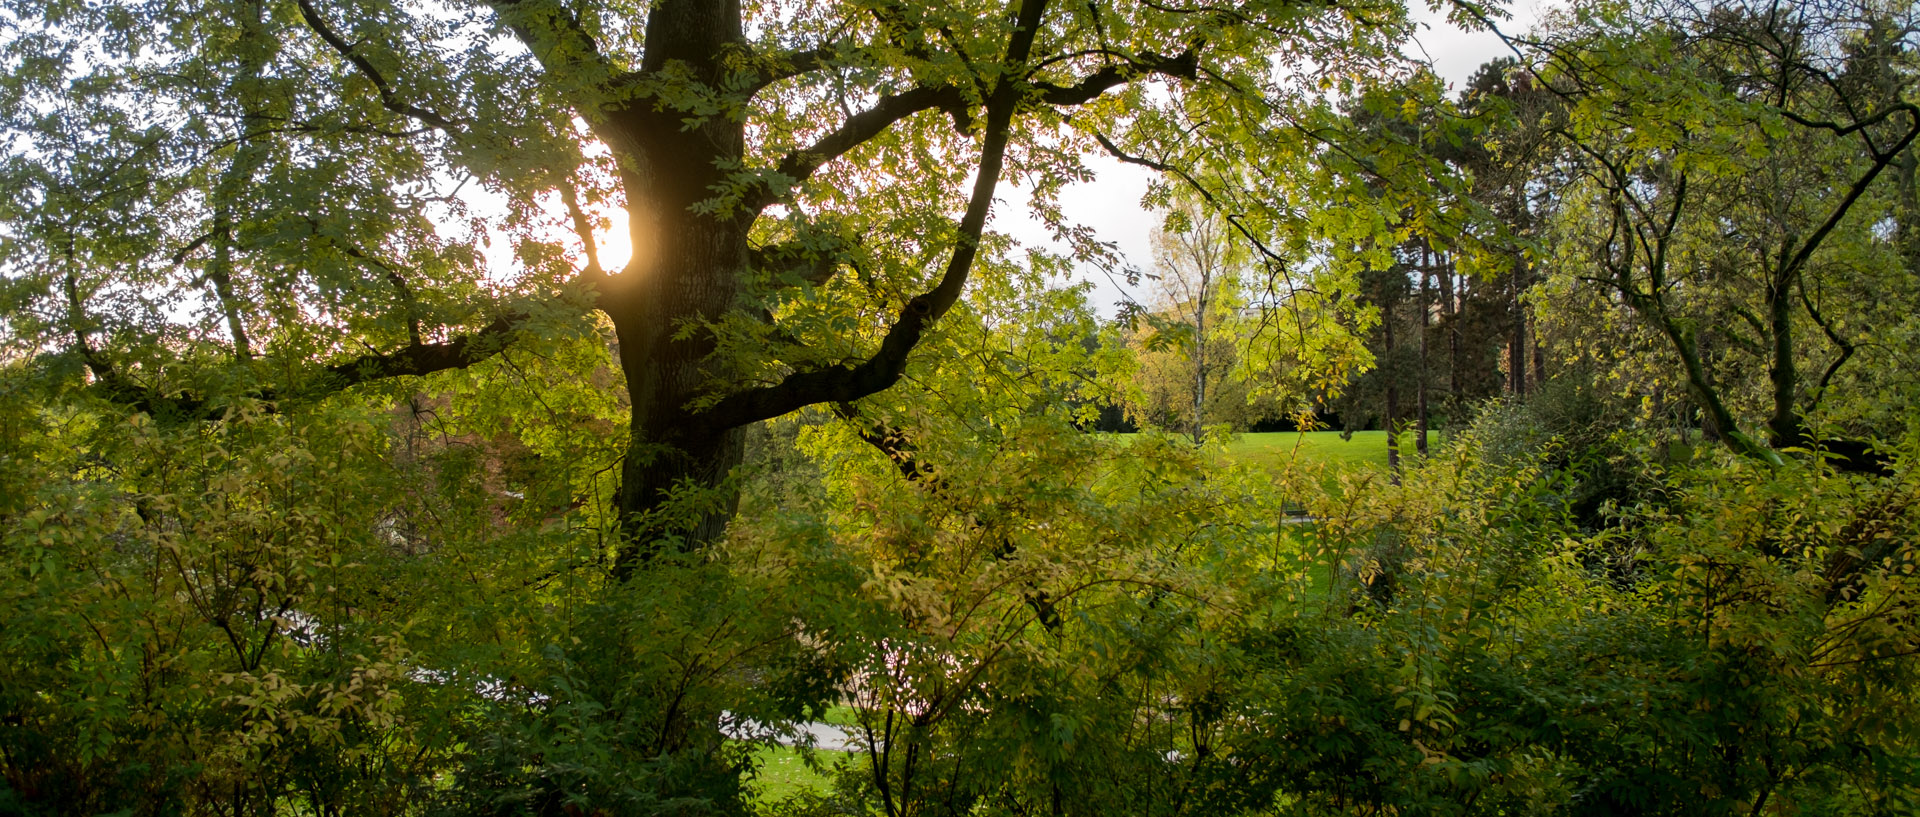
<point>1367,449</point>
<point>783,774</point>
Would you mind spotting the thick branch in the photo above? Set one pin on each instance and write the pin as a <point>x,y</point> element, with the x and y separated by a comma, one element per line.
<point>1184,65</point>
<point>388,98</point>
<point>118,388</point>
<point>1840,129</point>
<point>794,64</point>
<point>582,227</point>
<point>414,359</point>
<point>893,443</point>
<point>883,369</point>
<point>579,43</point>
<point>869,123</point>
<point>1839,341</point>
<point>801,164</point>
<point>417,359</point>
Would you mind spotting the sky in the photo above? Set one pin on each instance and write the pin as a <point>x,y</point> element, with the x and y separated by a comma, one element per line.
<point>1110,204</point>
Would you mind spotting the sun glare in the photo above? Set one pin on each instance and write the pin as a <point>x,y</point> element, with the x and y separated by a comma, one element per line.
<point>615,242</point>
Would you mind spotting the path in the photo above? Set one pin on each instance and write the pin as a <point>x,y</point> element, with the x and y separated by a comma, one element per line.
<point>823,736</point>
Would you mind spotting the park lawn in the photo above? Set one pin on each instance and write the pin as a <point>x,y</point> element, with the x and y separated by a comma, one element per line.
<point>784,774</point>
<point>1275,449</point>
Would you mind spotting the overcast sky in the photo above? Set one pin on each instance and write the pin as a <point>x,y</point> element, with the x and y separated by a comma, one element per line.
<point>1111,203</point>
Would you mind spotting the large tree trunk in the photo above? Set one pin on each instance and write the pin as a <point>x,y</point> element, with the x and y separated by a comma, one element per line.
<point>691,273</point>
<point>687,268</point>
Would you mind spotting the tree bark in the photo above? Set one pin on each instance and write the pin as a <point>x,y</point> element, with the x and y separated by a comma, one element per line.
<point>1517,338</point>
<point>1907,208</point>
<point>1426,288</point>
<point>1450,314</point>
<point>1200,357</point>
<point>1782,375</point>
<point>1539,355</point>
<point>1392,375</point>
<point>687,268</point>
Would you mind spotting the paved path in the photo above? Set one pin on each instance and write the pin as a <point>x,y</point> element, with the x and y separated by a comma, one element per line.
<point>827,736</point>
<point>823,736</point>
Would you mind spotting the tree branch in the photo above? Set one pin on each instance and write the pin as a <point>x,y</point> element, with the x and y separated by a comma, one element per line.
<point>893,443</point>
<point>1845,346</point>
<point>1271,259</point>
<point>416,359</point>
<point>1184,65</point>
<point>1859,188</point>
<point>581,226</point>
<point>801,164</point>
<point>514,14</point>
<point>1912,111</point>
<point>899,449</point>
<point>794,64</point>
<point>388,98</point>
<point>814,261</point>
<point>883,369</point>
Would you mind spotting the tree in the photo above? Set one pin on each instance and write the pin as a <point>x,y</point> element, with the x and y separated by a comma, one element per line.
<point>1438,181</point>
<point>1197,304</point>
<point>1507,163</point>
<point>258,562</point>
<point>254,199</point>
<point>1672,230</point>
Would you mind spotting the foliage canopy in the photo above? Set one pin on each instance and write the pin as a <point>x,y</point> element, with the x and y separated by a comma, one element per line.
<point>342,474</point>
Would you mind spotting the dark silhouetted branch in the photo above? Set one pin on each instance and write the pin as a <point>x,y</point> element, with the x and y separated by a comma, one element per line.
<point>389,99</point>
<point>801,164</point>
<point>883,369</point>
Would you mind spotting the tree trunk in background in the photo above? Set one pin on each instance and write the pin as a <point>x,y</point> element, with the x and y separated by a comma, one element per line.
<point>1426,296</point>
<point>1782,375</point>
<point>1906,210</point>
<point>1710,430</point>
<point>1517,341</point>
<point>1539,356</point>
<point>1392,374</point>
<point>1200,362</point>
<point>1450,311</point>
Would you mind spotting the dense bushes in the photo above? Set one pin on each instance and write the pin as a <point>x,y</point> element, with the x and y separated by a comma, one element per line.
<point>253,617</point>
